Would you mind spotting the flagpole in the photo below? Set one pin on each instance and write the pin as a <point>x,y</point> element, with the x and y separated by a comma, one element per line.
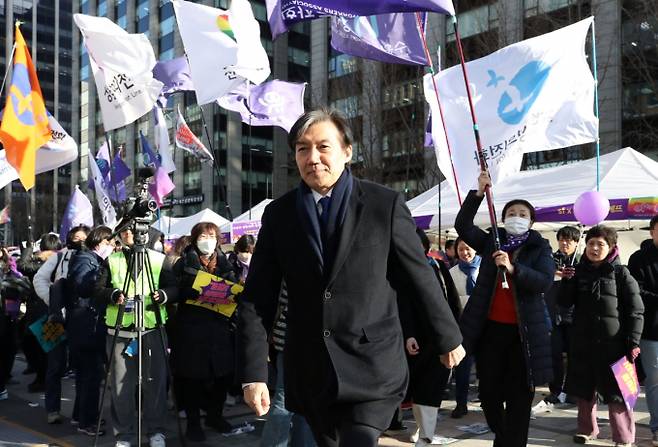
<point>9,65</point>
<point>220,185</point>
<point>419,25</point>
<point>596,108</point>
<point>478,144</point>
<point>171,207</point>
<point>110,155</point>
<point>250,174</point>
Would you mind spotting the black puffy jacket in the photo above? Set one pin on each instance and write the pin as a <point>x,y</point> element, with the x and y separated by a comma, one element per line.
<point>533,276</point>
<point>607,324</point>
<point>643,265</point>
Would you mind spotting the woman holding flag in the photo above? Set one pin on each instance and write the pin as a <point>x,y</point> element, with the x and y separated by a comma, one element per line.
<point>505,322</point>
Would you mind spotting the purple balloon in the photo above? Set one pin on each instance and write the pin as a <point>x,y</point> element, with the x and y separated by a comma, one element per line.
<point>591,208</point>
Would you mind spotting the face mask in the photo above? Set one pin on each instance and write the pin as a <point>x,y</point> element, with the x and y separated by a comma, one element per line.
<point>104,251</point>
<point>517,225</point>
<point>244,258</point>
<point>158,247</point>
<point>207,246</point>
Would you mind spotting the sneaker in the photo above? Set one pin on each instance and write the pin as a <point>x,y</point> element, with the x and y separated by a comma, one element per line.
<point>122,444</point>
<point>90,431</point>
<point>460,411</point>
<point>583,439</point>
<point>541,407</point>
<point>415,435</point>
<point>654,440</point>
<point>4,394</point>
<point>157,440</point>
<point>395,428</point>
<point>562,397</point>
<point>54,417</point>
<point>552,399</point>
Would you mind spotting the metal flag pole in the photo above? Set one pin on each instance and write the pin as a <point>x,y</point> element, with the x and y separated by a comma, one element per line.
<point>110,155</point>
<point>9,65</point>
<point>478,144</point>
<point>596,108</point>
<point>419,25</point>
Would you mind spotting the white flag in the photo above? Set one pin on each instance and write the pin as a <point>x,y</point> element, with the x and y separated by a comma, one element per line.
<point>60,150</point>
<point>186,140</point>
<point>121,64</point>
<point>223,47</point>
<point>531,96</point>
<point>108,213</point>
<point>162,141</point>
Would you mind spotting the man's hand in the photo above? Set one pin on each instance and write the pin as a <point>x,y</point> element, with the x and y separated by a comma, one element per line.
<point>412,346</point>
<point>452,358</point>
<point>257,396</point>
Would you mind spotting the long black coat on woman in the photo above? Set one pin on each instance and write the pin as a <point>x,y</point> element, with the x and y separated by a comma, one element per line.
<point>533,276</point>
<point>607,324</point>
<point>204,344</point>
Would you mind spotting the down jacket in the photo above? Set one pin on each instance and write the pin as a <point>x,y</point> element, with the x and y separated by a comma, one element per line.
<point>533,276</point>
<point>607,324</point>
<point>643,265</point>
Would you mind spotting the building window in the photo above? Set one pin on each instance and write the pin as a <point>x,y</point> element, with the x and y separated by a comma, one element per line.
<point>347,106</point>
<point>341,65</point>
<point>475,21</point>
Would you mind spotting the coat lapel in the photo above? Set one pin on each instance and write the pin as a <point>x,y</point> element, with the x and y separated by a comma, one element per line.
<point>309,229</point>
<point>348,230</point>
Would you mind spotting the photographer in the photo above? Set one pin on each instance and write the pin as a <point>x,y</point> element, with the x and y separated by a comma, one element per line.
<point>124,377</point>
<point>203,353</point>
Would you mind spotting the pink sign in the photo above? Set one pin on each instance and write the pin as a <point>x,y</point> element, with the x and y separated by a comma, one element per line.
<point>626,376</point>
<point>643,206</point>
<point>240,228</point>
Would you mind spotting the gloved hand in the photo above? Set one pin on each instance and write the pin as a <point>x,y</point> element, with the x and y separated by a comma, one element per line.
<point>568,272</point>
<point>633,354</point>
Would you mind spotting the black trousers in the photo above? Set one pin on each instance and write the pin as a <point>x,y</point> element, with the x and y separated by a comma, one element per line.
<point>504,390</point>
<point>209,394</point>
<point>335,427</point>
<point>8,348</point>
<point>559,345</point>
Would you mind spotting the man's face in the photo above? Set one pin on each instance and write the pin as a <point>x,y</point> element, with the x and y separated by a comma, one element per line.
<point>321,157</point>
<point>567,245</point>
<point>127,237</point>
<point>654,234</point>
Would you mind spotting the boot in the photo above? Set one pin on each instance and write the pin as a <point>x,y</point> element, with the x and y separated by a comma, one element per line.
<point>194,431</point>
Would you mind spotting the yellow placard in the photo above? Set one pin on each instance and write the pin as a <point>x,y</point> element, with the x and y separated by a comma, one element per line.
<point>215,294</point>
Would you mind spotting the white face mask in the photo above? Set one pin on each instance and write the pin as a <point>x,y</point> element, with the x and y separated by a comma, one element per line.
<point>207,246</point>
<point>104,251</point>
<point>157,246</point>
<point>244,257</point>
<point>517,225</point>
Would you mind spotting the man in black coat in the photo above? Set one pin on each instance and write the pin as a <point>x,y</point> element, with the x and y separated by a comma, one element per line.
<point>643,265</point>
<point>345,248</point>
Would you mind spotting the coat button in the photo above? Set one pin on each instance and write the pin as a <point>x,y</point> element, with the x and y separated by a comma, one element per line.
<point>327,295</point>
<point>326,332</point>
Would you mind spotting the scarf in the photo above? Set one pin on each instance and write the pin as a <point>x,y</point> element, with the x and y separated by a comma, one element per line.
<point>209,263</point>
<point>308,213</point>
<point>470,269</point>
<point>514,242</point>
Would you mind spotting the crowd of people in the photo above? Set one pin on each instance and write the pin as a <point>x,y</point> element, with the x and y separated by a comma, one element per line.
<point>342,295</point>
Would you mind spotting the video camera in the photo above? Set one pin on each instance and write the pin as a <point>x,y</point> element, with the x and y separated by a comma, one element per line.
<point>139,208</point>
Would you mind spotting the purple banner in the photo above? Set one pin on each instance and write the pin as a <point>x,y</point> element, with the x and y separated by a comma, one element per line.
<point>423,222</point>
<point>248,227</point>
<point>626,377</point>
<point>564,213</point>
<point>392,38</point>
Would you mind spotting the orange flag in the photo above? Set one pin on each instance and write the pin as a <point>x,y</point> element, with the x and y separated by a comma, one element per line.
<point>24,127</point>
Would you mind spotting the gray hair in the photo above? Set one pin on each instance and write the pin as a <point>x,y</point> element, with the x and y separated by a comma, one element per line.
<point>323,114</point>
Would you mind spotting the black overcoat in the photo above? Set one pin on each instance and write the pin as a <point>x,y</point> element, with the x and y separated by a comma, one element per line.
<point>533,276</point>
<point>203,345</point>
<point>607,324</point>
<point>344,343</point>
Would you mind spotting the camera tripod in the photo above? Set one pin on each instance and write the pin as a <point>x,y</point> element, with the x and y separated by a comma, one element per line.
<point>138,263</point>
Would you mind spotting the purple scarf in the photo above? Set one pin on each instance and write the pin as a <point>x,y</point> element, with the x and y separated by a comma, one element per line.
<point>514,242</point>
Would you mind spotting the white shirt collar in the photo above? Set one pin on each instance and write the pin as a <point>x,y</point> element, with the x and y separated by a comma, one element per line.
<point>317,196</point>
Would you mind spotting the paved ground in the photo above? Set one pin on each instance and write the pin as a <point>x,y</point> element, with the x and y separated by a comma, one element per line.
<point>23,423</point>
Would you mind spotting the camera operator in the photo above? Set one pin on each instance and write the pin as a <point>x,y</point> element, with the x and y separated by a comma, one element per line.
<point>124,374</point>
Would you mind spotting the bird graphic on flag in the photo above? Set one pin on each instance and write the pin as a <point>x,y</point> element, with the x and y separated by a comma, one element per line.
<point>24,127</point>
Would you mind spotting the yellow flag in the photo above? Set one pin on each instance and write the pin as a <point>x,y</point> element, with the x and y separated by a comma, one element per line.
<point>24,127</point>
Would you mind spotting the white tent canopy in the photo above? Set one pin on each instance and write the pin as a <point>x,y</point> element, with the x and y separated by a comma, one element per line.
<point>624,173</point>
<point>182,226</point>
<point>255,213</point>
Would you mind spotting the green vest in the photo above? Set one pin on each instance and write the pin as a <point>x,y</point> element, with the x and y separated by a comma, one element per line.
<point>118,271</point>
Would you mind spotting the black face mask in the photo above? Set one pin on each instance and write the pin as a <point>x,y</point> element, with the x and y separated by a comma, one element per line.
<point>78,245</point>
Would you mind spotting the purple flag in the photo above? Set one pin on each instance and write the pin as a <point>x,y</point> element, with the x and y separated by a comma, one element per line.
<point>392,38</point>
<point>175,75</point>
<point>429,142</point>
<point>78,211</point>
<point>273,103</point>
<point>285,13</point>
<point>149,158</point>
<point>161,185</point>
<point>120,171</point>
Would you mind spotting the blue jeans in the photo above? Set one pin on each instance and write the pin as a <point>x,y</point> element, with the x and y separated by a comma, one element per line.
<point>277,428</point>
<point>56,368</point>
<point>649,354</point>
<point>462,380</point>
